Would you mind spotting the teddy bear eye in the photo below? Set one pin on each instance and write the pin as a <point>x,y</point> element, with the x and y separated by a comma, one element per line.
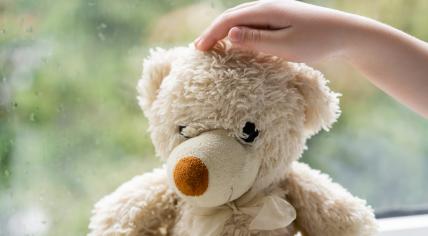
<point>180,130</point>
<point>250,132</point>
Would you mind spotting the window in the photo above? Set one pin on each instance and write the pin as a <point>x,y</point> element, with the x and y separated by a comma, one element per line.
<point>71,130</point>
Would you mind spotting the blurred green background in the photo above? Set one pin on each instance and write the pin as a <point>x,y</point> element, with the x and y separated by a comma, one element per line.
<point>71,130</point>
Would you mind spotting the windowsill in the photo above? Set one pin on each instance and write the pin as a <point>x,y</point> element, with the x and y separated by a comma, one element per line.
<point>407,225</point>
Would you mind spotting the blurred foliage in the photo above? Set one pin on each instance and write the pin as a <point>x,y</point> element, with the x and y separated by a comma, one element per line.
<point>71,130</point>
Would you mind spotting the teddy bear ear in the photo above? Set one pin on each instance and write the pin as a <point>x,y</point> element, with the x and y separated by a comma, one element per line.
<point>155,68</point>
<point>321,104</point>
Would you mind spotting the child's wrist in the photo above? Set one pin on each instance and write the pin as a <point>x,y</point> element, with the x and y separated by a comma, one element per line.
<point>358,36</point>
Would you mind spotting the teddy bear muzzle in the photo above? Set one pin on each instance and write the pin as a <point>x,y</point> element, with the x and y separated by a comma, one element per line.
<point>211,169</point>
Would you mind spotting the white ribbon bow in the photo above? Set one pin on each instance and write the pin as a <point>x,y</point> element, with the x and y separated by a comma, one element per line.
<point>269,213</point>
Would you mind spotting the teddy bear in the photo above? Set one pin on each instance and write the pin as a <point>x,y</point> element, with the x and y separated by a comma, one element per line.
<point>230,126</point>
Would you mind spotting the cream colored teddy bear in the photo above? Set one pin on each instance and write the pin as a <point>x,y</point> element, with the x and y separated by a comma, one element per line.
<point>230,126</point>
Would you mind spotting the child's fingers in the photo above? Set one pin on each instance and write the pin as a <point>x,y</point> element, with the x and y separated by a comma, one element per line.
<point>218,30</point>
<point>266,41</point>
<point>221,26</point>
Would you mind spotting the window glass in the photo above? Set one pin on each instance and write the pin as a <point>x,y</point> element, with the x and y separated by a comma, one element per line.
<point>71,130</point>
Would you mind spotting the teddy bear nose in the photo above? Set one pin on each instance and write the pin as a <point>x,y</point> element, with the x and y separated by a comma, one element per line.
<point>191,176</point>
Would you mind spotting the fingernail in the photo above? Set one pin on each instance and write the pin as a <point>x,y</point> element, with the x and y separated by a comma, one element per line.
<point>196,41</point>
<point>235,35</point>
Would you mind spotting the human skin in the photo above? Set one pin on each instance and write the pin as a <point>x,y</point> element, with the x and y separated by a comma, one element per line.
<point>392,60</point>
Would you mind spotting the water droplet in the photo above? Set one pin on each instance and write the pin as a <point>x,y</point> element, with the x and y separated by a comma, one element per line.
<point>101,36</point>
<point>102,26</point>
<point>32,117</point>
<point>60,108</point>
<point>6,173</point>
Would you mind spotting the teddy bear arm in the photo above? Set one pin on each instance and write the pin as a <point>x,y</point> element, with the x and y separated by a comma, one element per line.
<point>145,205</point>
<point>324,207</point>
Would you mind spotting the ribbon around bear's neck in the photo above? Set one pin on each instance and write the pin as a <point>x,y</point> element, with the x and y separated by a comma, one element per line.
<point>268,212</point>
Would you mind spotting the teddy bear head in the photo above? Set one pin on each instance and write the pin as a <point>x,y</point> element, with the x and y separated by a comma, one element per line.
<point>228,122</point>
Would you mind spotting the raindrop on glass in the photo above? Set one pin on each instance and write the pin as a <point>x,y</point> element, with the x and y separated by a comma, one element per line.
<point>102,26</point>
<point>60,108</point>
<point>101,36</point>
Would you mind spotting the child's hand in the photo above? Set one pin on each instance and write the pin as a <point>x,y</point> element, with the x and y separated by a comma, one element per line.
<point>293,30</point>
<point>391,59</point>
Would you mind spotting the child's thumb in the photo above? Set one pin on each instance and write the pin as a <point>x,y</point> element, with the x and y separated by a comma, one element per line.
<point>250,38</point>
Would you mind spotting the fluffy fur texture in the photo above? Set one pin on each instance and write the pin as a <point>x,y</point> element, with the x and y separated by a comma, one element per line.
<point>224,89</point>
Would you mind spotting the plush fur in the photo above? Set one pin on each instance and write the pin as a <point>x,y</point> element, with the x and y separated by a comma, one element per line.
<point>224,89</point>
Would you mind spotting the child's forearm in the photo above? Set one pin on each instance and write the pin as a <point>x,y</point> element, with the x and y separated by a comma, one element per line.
<point>394,61</point>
